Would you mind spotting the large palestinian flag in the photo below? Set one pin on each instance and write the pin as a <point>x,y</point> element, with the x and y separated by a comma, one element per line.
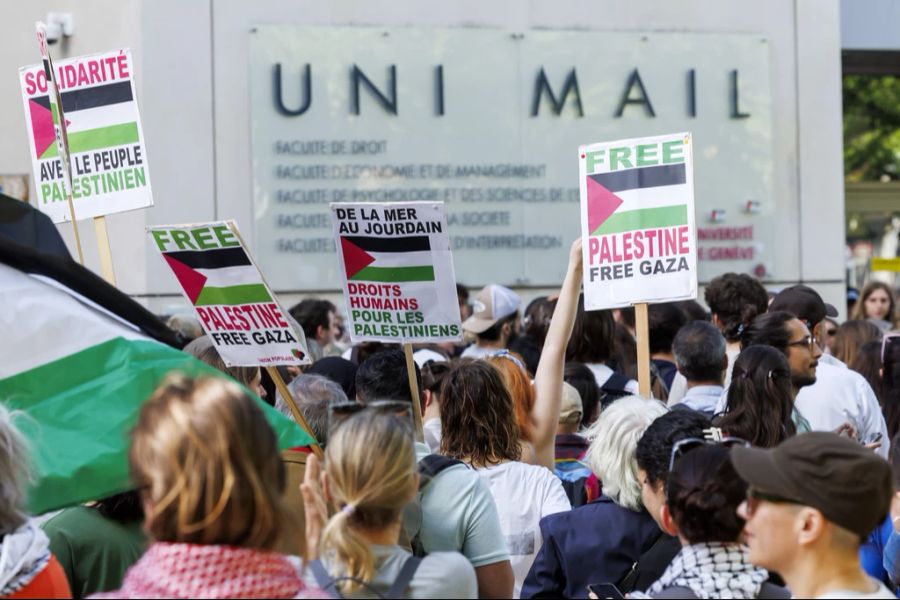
<point>612,206</point>
<point>82,359</point>
<point>388,259</point>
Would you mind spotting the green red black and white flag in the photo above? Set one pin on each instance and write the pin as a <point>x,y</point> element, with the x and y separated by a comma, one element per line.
<point>230,297</point>
<point>638,222</point>
<point>86,358</point>
<point>102,128</point>
<point>397,268</point>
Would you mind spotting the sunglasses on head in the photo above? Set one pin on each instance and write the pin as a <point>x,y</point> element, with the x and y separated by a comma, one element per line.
<point>713,437</point>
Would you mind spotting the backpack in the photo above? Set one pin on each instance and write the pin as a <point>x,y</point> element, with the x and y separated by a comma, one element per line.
<point>404,578</point>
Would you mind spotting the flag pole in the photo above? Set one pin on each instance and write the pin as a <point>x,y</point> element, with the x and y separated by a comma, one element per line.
<point>295,410</point>
<point>414,393</point>
<point>642,329</point>
<point>106,262</point>
<point>62,138</point>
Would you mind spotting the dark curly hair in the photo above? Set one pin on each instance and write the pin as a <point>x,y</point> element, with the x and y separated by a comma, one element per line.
<point>735,299</point>
<point>593,336</point>
<point>478,418</point>
<point>703,493</point>
<point>654,449</point>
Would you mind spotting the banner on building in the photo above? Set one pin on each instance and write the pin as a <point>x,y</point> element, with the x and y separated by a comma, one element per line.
<point>638,222</point>
<point>235,306</point>
<point>109,162</point>
<point>397,270</point>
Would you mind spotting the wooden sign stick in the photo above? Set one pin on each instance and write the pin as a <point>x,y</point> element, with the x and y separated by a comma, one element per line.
<point>414,392</point>
<point>643,348</point>
<point>295,410</point>
<point>106,264</point>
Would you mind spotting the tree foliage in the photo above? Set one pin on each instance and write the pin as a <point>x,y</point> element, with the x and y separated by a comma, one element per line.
<point>871,127</point>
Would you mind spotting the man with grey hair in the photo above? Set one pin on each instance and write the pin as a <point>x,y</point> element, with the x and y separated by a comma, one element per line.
<point>314,395</point>
<point>700,356</point>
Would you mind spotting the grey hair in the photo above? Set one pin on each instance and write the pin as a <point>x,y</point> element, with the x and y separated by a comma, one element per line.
<point>614,437</point>
<point>699,350</point>
<point>15,473</point>
<point>314,395</point>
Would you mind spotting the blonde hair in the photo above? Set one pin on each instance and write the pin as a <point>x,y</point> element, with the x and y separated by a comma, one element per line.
<point>205,457</point>
<point>614,437</point>
<point>371,466</point>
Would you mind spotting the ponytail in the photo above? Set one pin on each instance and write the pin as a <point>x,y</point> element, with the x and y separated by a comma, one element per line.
<point>353,557</point>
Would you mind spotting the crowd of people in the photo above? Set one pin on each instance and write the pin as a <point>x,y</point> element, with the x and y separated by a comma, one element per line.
<point>764,464</point>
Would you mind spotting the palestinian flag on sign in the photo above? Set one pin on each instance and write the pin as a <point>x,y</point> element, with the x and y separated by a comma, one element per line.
<point>218,276</point>
<point>615,203</point>
<point>99,117</point>
<point>87,356</point>
<point>388,260</point>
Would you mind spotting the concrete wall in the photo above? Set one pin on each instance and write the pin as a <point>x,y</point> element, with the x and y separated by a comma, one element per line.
<point>193,76</point>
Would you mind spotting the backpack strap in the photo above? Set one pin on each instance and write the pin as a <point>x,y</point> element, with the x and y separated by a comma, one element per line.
<point>323,579</point>
<point>431,465</point>
<point>616,385</point>
<point>398,588</point>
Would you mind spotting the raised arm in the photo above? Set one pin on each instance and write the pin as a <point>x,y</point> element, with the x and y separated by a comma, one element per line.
<point>549,377</point>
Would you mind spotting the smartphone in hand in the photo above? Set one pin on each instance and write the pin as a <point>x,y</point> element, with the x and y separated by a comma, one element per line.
<point>605,590</point>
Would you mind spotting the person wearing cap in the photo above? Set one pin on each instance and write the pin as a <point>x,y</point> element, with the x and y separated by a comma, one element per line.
<point>494,320</point>
<point>571,447</point>
<point>810,504</point>
<point>838,395</point>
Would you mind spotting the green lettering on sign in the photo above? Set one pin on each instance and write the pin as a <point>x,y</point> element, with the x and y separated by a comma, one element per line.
<point>673,151</point>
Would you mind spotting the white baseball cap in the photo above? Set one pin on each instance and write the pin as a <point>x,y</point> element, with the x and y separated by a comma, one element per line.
<point>493,303</point>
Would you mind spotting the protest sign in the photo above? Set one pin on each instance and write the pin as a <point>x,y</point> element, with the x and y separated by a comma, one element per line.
<point>637,221</point>
<point>101,128</point>
<point>397,268</point>
<point>235,306</point>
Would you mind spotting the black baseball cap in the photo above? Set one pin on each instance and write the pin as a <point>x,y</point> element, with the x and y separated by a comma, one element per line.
<point>845,481</point>
<point>804,302</point>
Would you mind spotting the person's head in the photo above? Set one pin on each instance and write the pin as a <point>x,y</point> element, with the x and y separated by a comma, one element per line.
<point>462,296</point>
<point>207,464</point>
<point>816,495</point>
<point>433,374</point>
<point>16,474</point>
<point>790,336</point>
<point>693,310</point>
<point>203,349</point>
<point>806,304</point>
<point>515,377</point>
<point>316,316</point>
<point>614,438</point>
<point>664,321</point>
<point>760,398</point>
<point>367,488</point>
<point>537,318</point>
<point>186,326</point>
<point>314,395</point>
<point>383,376</point>
<point>867,363</point>
<point>495,315</point>
<point>703,492</point>
<point>593,336</point>
<point>339,370</point>
<point>889,380</point>
<point>478,421</point>
<point>624,356</point>
<point>850,337</point>
<point>827,333</point>
<point>582,379</point>
<point>875,302</point>
<point>654,451</point>
<point>570,410</point>
<point>699,350</point>
<point>735,299</point>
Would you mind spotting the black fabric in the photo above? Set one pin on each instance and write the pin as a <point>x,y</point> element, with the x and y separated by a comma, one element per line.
<point>84,282</point>
<point>433,464</point>
<point>576,491</point>
<point>529,349</point>
<point>25,225</point>
<point>613,389</point>
<point>339,370</point>
<point>651,564</point>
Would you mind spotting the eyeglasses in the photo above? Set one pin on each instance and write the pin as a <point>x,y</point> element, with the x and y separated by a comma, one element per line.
<point>714,438</point>
<point>808,341</point>
<point>755,496</point>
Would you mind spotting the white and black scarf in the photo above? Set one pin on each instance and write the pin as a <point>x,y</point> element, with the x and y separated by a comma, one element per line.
<point>713,570</point>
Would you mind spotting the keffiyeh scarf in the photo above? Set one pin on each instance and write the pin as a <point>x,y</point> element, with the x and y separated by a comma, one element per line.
<point>713,570</point>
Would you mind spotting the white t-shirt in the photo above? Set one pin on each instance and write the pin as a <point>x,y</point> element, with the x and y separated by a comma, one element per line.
<point>880,592</point>
<point>841,395</point>
<point>602,373</point>
<point>524,494</point>
<point>432,430</point>
<point>440,575</point>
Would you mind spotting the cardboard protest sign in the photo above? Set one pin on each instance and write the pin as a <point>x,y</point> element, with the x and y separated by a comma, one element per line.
<point>397,268</point>
<point>109,165</point>
<point>235,306</point>
<point>637,221</point>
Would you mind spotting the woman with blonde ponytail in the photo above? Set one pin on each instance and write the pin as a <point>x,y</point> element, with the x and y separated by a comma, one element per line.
<point>369,477</point>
